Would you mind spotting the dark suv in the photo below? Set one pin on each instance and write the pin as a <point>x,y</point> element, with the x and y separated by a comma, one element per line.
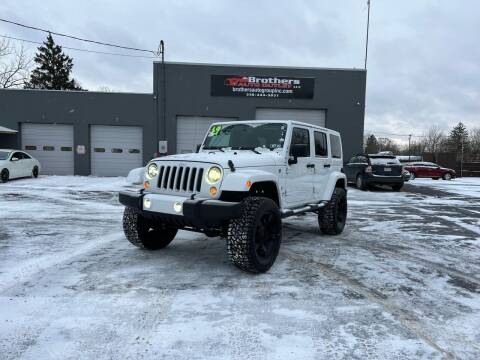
<point>429,170</point>
<point>365,169</point>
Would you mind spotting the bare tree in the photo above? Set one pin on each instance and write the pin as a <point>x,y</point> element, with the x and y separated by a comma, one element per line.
<point>14,65</point>
<point>434,138</point>
<point>475,141</point>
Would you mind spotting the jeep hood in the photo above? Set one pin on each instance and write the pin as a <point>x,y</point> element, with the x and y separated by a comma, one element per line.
<point>240,158</point>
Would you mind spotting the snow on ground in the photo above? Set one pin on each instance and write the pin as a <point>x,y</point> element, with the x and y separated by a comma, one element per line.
<point>402,281</point>
<point>467,186</point>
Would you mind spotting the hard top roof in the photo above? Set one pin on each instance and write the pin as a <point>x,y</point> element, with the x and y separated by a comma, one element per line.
<point>289,122</point>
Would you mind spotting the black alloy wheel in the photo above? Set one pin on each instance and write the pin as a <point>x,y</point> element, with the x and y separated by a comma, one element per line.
<point>266,235</point>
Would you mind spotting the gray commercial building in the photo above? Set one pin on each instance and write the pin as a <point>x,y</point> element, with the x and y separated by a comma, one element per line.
<point>107,134</point>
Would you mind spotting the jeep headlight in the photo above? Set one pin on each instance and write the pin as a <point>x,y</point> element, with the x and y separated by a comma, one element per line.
<point>152,171</point>
<point>213,175</point>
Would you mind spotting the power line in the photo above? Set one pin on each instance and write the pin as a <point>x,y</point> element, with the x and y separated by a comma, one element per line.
<point>79,38</point>
<point>77,49</point>
<point>391,134</point>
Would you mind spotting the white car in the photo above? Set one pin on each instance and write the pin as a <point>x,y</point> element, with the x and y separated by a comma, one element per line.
<point>246,177</point>
<point>17,164</point>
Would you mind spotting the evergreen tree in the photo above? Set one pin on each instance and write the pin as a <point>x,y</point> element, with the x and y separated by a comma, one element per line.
<point>371,145</point>
<point>53,69</point>
<point>457,137</point>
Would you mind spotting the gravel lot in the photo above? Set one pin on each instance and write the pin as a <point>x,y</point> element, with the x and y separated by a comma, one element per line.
<point>402,281</point>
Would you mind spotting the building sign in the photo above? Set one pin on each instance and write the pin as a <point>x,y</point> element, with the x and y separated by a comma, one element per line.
<point>262,86</point>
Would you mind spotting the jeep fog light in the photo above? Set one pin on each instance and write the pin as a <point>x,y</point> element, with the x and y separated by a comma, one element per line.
<point>152,171</point>
<point>213,191</point>
<point>213,175</point>
<point>147,203</point>
<point>178,207</point>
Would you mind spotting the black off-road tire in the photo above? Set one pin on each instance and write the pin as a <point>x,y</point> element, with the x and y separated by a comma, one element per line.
<point>35,172</point>
<point>254,238</point>
<point>145,233</point>
<point>397,187</point>
<point>360,183</point>
<point>333,216</point>
<point>4,176</point>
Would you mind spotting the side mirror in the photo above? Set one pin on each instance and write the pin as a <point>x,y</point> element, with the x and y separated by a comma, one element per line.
<point>14,159</point>
<point>296,151</point>
<point>198,148</point>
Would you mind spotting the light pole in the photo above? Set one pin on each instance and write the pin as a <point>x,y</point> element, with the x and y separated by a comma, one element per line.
<point>368,26</point>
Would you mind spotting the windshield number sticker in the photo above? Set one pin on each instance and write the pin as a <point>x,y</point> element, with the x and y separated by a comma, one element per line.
<point>215,130</point>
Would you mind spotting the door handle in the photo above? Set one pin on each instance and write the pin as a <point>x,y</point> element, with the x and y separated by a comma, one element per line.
<point>310,166</point>
<point>326,165</point>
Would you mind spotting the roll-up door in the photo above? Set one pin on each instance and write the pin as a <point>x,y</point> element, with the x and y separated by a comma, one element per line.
<point>191,131</point>
<point>315,117</point>
<point>115,150</point>
<point>50,144</point>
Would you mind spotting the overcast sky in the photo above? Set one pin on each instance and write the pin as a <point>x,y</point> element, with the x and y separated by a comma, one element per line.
<point>423,62</point>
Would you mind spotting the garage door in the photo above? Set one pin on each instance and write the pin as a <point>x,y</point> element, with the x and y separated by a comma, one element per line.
<point>52,145</point>
<point>315,117</point>
<point>191,131</point>
<point>115,150</point>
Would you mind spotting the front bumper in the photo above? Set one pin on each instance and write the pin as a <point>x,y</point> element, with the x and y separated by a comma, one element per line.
<point>198,213</point>
<point>383,180</point>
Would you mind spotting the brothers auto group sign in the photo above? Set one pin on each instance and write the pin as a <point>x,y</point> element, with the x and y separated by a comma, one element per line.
<point>262,86</point>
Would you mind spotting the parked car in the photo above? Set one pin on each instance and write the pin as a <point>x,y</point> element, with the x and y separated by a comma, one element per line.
<point>246,177</point>
<point>379,169</point>
<point>429,170</point>
<point>17,164</point>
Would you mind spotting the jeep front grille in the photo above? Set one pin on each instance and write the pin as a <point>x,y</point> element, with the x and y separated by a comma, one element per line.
<point>180,178</point>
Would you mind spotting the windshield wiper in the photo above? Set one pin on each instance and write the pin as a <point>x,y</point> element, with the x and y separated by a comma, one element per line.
<point>251,148</point>
<point>214,148</point>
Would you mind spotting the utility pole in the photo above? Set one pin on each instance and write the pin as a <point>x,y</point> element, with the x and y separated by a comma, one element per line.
<point>461,160</point>
<point>368,26</point>
<point>409,140</point>
<point>164,90</point>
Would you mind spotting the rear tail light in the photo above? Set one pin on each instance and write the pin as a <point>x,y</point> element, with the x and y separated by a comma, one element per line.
<point>368,170</point>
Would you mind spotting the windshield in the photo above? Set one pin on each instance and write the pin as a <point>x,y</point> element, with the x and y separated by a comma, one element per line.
<point>269,136</point>
<point>4,155</point>
<point>384,161</point>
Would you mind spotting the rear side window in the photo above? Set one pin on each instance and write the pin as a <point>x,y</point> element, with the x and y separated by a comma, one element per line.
<point>25,156</point>
<point>17,155</point>
<point>335,146</point>
<point>320,144</point>
<point>301,137</point>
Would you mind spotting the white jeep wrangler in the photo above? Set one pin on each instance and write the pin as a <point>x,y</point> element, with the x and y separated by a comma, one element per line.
<point>245,177</point>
